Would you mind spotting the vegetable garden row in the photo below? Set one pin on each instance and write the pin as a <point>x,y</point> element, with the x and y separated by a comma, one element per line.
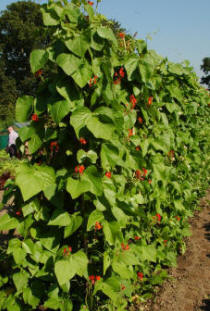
<point>119,142</point>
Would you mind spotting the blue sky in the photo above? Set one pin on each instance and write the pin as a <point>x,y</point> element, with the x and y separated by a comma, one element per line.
<point>179,29</point>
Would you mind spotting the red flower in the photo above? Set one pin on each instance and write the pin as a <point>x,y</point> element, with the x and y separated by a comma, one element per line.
<point>83,141</point>
<point>138,148</point>
<point>121,72</point>
<point>90,2</point>
<point>117,81</point>
<point>98,226</point>
<point>178,218</point>
<point>165,242</point>
<point>150,101</point>
<point>92,278</point>
<point>122,35</point>
<point>158,217</point>
<point>97,277</point>
<point>140,120</point>
<point>133,101</point>
<point>140,275</point>
<point>54,146</point>
<point>67,251</point>
<point>38,73</point>
<point>138,174</point>
<point>34,117</point>
<point>90,82</point>
<point>137,238</point>
<point>144,171</point>
<point>18,213</point>
<point>150,181</point>
<point>79,169</point>
<point>108,174</point>
<point>171,153</point>
<point>130,132</point>
<point>125,247</point>
<point>123,287</point>
<point>95,79</point>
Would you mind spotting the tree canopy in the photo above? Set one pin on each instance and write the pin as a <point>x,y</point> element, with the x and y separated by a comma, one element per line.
<point>206,69</point>
<point>21,31</point>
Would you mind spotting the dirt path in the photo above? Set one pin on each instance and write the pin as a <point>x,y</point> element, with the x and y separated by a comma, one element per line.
<point>190,288</point>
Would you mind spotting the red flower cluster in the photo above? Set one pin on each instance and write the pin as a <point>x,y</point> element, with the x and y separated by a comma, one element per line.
<point>140,120</point>
<point>158,217</point>
<point>125,247</point>
<point>90,2</point>
<point>138,148</point>
<point>130,132</point>
<point>67,251</point>
<point>38,73</point>
<point>133,101</point>
<point>119,75</point>
<point>94,278</point>
<point>121,35</point>
<point>35,117</point>
<point>93,81</point>
<point>171,154</point>
<point>123,287</point>
<point>83,141</point>
<point>136,238</point>
<point>140,275</point>
<point>150,181</point>
<point>150,101</point>
<point>108,174</point>
<point>54,146</point>
<point>178,218</point>
<point>141,175</point>
<point>79,169</point>
<point>18,213</point>
<point>98,226</point>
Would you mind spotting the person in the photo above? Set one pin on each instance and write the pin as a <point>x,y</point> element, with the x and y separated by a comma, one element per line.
<point>12,149</point>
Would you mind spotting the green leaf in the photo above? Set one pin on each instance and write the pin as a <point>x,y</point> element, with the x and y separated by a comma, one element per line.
<point>99,129</point>
<point>7,222</point>
<point>60,218</point>
<point>72,12</point>
<point>24,108</point>
<point>70,92</point>
<point>141,46</point>
<point>131,65</point>
<point>107,33</point>
<point>34,143</point>
<point>38,59</point>
<point>69,63</point>
<point>83,155</point>
<point>50,18</point>
<point>30,298</point>
<point>95,216</point>
<point>76,222</point>
<point>60,109</point>
<point>106,262</point>
<point>74,264</point>
<point>78,45</point>
<point>82,75</point>
<point>108,233</point>
<point>20,280</point>
<point>38,177</point>
<point>79,119</point>
<point>147,252</point>
<point>77,187</point>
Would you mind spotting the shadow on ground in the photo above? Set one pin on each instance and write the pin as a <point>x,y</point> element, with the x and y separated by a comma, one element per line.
<point>206,305</point>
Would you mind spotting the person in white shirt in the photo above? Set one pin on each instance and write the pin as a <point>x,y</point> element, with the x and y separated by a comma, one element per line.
<point>12,149</point>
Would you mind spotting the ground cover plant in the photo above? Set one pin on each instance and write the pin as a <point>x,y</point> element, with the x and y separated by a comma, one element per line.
<point>119,143</point>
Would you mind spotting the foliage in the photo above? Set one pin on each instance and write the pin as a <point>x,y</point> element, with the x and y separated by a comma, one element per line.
<point>206,69</point>
<point>119,144</point>
<point>21,31</point>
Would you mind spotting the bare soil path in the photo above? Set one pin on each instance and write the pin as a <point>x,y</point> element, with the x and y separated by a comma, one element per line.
<point>190,288</point>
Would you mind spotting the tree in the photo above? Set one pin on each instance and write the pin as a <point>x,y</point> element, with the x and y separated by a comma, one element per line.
<point>21,31</point>
<point>206,69</point>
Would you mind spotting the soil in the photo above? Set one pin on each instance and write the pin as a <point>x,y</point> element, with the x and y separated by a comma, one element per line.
<point>189,289</point>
